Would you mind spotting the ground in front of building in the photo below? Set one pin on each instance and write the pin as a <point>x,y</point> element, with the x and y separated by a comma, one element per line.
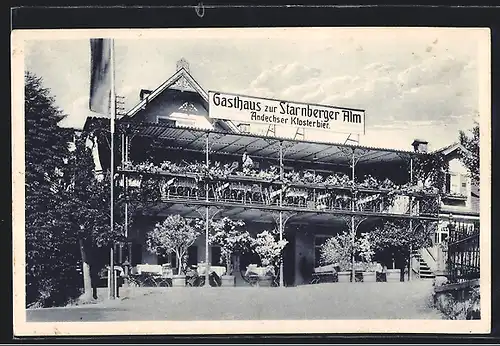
<point>402,300</point>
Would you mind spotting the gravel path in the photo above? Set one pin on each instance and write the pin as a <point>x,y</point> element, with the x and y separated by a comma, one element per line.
<point>405,300</point>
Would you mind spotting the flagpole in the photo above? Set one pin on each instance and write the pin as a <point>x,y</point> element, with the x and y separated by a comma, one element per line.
<point>112,280</point>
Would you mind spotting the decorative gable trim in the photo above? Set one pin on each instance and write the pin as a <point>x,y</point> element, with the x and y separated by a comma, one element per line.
<point>182,73</point>
<point>188,82</point>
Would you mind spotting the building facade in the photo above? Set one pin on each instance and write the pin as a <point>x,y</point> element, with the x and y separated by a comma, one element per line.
<point>173,159</point>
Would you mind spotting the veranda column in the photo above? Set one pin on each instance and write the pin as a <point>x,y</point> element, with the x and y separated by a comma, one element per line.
<point>207,220</point>
<point>353,226</point>
<point>128,258</point>
<point>411,221</point>
<point>281,212</point>
<point>125,185</point>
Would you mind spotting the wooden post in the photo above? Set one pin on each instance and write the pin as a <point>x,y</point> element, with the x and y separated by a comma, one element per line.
<point>207,220</point>
<point>353,226</point>
<point>281,212</point>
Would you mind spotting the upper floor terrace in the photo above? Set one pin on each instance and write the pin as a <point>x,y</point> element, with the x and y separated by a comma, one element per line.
<point>164,163</point>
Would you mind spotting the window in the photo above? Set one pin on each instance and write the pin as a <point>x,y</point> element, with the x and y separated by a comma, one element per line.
<point>165,120</point>
<point>245,128</point>
<point>192,255</point>
<point>456,184</point>
<point>136,257</point>
<point>215,258</point>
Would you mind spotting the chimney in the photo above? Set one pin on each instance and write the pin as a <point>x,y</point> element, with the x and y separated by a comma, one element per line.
<point>420,146</point>
<point>144,93</point>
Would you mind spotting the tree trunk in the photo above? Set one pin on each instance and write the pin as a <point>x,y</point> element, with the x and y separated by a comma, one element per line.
<point>228,265</point>
<point>87,279</point>
<point>179,262</point>
<point>409,262</point>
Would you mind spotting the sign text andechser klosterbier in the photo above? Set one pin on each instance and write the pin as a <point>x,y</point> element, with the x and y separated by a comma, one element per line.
<point>248,109</point>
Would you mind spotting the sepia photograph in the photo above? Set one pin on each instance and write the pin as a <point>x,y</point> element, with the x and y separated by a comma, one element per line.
<point>257,180</point>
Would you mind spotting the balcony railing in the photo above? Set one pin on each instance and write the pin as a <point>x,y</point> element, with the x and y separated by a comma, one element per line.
<point>463,259</point>
<point>311,193</point>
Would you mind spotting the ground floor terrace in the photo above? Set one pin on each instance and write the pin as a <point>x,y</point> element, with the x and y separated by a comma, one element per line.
<point>305,233</point>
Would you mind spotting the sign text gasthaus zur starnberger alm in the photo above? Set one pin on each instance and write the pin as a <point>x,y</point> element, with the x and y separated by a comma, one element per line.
<point>248,109</point>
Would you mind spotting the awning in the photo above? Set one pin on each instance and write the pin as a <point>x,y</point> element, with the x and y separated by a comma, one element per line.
<point>194,139</point>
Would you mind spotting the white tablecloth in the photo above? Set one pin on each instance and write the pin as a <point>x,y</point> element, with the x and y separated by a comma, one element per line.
<point>219,270</point>
<point>149,268</point>
<point>261,271</point>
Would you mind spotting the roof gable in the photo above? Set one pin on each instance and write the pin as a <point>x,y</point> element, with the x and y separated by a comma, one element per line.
<point>452,149</point>
<point>174,81</point>
<point>181,80</point>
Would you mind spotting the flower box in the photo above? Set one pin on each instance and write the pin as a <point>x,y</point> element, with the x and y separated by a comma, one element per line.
<point>228,280</point>
<point>344,276</point>
<point>178,280</point>
<point>265,281</point>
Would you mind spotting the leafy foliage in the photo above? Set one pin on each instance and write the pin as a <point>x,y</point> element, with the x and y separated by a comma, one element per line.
<point>471,158</point>
<point>174,234</point>
<point>230,236</point>
<point>430,170</point>
<point>397,235</point>
<point>269,248</point>
<point>88,198</point>
<point>340,249</point>
<point>52,252</point>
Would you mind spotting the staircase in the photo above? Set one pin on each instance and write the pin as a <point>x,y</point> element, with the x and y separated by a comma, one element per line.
<point>424,271</point>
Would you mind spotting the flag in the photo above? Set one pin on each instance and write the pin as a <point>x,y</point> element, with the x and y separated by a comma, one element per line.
<point>101,75</point>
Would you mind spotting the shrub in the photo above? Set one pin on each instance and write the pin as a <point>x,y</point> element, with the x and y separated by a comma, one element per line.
<point>174,234</point>
<point>269,248</point>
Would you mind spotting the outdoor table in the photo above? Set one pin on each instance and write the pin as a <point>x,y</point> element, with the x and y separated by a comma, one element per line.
<point>254,273</point>
<point>151,275</point>
<point>324,277</point>
<point>149,280</point>
<point>219,270</point>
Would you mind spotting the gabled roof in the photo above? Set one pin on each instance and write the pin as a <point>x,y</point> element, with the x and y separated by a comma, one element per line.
<point>452,148</point>
<point>181,73</point>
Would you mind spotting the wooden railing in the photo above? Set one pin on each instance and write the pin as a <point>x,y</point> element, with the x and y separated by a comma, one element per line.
<point>248,190</point>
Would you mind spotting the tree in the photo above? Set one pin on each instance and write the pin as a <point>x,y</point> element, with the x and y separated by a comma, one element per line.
<point>430,170</point>
<point>341,249</point>
<point>230,236</point>
<point>175,234</point>
<point>88,206</point>
<point>338,250</point>
<point>471,158</point>
<point>397,237</point>
<point>269,248</point>
<point>51,251</point>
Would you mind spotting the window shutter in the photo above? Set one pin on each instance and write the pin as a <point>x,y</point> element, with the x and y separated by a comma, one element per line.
<point>463,185</point>
<point>447,184</point>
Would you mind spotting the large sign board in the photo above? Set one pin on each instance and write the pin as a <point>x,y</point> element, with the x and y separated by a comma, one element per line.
<point>248,109</point>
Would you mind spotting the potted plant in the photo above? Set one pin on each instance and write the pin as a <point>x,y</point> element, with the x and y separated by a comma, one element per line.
<point>269,250</point>
<point>370,271</point>
<point>337,250</point>
<point>175,234</point>
<point>365,253</point>
<point>233,240</point>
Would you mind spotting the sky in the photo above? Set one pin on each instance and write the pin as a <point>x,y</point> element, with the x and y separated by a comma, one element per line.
<point>412,83</point>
